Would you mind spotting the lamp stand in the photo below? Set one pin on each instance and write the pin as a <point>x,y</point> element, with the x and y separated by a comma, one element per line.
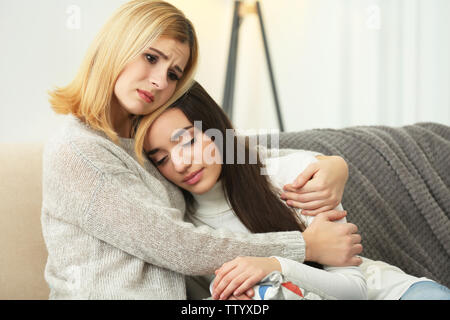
<point>240,10</point>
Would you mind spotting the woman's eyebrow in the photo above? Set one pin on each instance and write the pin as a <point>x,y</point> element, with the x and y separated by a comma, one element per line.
<point>180,132</point>
<point>165,57</point>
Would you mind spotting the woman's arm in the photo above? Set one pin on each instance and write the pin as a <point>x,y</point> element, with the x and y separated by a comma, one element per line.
<point>106,199</point>
<point>319,187</point>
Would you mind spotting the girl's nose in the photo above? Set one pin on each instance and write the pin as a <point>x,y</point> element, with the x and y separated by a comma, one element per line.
<point>181,161</point>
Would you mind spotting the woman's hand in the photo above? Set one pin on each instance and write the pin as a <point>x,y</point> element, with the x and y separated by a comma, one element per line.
<point>319,187</point>
<point>239,275</point>
<point>331,243</point>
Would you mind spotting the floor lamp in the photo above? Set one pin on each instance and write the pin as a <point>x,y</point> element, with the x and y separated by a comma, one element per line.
<point>242,8</point>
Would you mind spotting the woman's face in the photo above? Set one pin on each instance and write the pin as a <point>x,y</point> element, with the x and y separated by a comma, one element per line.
<point>182,153</point>
<point>149,81</point>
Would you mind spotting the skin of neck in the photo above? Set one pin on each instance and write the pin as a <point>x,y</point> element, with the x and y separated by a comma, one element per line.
<point>120,119</point>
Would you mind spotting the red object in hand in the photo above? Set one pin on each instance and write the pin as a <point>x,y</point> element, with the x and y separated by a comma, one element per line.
<point>293,288</point>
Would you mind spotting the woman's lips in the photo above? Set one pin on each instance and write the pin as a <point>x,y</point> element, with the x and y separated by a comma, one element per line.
<point>193,179</point>
<point>146,96</point>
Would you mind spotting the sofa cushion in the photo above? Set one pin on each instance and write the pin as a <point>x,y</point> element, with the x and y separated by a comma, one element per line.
<point>23,251</point>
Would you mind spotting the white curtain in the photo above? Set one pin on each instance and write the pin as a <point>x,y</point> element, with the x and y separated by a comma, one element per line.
<point>341,63</point>
<point>337,63</point>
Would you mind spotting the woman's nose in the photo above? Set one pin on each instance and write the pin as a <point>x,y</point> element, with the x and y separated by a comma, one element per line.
<point>158,78</point>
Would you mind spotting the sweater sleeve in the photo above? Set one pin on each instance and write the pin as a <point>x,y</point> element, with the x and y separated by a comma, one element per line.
<point>110,202</point>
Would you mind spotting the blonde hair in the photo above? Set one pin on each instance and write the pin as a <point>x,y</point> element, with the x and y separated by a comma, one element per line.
<point>125,35</point>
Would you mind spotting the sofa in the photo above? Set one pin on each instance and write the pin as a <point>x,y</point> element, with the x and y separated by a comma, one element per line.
<point>398,193</point>
<point>22,249</point>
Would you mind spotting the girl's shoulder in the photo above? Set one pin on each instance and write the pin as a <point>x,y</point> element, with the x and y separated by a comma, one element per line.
<point>286,164</point>
<point>267,153</point>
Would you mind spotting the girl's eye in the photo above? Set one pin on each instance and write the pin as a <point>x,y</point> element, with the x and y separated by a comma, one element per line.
<point>160,162</point>
<point>189,143</point>
<point>151,58</point>
<point>173,76</point>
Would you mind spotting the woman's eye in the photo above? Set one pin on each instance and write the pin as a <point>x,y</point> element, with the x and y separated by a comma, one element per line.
<point>151,58</point>
<point>173,76</point>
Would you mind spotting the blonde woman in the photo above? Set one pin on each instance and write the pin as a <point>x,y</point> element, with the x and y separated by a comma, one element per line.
<point>112,224</point>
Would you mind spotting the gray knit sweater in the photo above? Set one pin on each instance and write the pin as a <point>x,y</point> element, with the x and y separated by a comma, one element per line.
<point>115,230</point>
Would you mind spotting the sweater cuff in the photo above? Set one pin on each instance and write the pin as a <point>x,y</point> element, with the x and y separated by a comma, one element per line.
<point>295,246</point>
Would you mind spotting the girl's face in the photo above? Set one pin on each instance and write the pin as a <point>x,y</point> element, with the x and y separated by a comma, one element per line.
<point>149,81</point>
<point>182,153</point>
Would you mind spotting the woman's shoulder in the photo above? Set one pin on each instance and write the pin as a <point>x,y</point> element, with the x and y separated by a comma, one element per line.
<point>72,130</point>
<point>75,141</point>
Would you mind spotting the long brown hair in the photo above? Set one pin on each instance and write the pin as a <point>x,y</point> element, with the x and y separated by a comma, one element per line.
<point>253,198</point>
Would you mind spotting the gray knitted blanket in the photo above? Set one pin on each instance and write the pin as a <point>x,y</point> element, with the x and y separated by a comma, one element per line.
<point>398,192</point>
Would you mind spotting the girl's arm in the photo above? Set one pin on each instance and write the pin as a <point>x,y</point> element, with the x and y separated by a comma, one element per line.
<point>233,275</point>
<point>241,274</point>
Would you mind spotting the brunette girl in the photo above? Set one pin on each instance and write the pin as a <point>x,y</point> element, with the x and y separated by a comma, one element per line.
<point>233,195</point>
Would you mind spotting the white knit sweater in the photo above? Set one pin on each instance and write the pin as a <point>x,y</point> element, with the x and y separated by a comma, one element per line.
<point>115,230</point>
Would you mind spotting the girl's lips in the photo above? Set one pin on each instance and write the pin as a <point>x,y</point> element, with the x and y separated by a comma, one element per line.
<point>195,178</point>
<point>146,96</point>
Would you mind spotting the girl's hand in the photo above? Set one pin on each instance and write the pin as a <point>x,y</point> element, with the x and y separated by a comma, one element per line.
<point>241,274</point>
<point>319,187</point>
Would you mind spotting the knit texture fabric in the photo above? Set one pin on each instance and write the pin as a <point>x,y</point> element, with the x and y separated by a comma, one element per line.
<point>398,192</point>
<point>115,230</point>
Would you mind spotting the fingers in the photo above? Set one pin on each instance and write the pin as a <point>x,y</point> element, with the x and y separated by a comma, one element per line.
<point>314,205</point>
<point>229,284</point>
<point>308,201</point>
<point>352,228</point>
<point>314,213</point>
<point>246,285</point>
<point>222,272</point>
<point>310,186</point>
<point>355,261</point>
<point>357,249</point>
<point>356,238</point>
<point>241,297</point>
<point>333,215</point>
<point>304,197</point>
<point>305,176</point>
